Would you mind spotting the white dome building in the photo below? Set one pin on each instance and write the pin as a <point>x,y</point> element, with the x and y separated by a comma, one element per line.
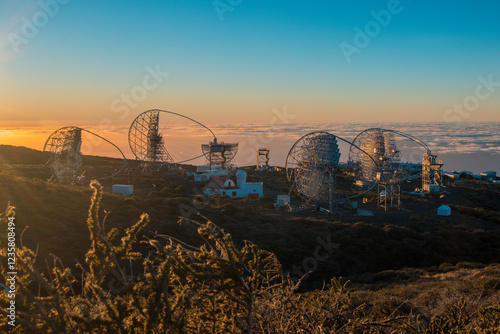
<point>244,188</point>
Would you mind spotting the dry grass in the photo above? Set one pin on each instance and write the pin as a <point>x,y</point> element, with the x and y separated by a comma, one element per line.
<point>407,266</point>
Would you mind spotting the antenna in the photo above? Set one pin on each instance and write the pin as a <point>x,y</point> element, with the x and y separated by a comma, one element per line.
<point>149,146</point>
<point>432,172</point>
<point>385,167</point>
<point>219,153</point>
<point>383,155</point>
<point>147,143</point>
<point>262,158</point>
<point>313,168</point>
<point>66,160</point>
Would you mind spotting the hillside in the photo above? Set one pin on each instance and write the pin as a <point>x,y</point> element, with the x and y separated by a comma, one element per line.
<point>393,260</point>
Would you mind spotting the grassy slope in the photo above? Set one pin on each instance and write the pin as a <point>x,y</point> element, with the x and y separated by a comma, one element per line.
<point>414,257</point>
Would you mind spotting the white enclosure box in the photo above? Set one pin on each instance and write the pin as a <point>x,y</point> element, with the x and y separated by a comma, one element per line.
<point>282,200</point>
<point>123,189</point>
<point>444,210</point>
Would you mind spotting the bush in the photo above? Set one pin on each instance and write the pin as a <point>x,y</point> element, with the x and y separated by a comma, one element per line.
<point>214,288</point>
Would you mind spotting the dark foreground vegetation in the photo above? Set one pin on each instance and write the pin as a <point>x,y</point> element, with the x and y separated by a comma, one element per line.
<point>407,272</point>
<point>219,288</point>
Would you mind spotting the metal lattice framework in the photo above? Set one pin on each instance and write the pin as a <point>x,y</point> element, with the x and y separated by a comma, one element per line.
<point>262,158</point>
<point>147,143</point>
<point>314,170</point>
<point>432,171</point>
<point>383,158</point>
<point>311,166</point>
<point>219,154</point>
<point>389,195</point>
<point>145,140</point>
<point>65,144</point>
<point>66,160</point>
<point>386,168</point>
<point>381,145</point>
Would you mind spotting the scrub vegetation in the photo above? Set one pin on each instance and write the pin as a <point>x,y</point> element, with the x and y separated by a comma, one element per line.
<point>93,261</point>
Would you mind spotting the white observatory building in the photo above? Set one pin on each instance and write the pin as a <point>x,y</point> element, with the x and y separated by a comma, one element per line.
<point>243,188</point>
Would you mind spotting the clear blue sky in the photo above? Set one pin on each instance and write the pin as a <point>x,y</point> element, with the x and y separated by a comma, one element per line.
<point>262,55</point>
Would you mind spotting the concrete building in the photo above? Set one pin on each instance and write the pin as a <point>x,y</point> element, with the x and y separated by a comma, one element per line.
<point>243,188</point>
<point>216,183</point>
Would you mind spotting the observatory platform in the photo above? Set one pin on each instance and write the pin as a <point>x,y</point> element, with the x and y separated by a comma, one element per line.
<point>219,153</point>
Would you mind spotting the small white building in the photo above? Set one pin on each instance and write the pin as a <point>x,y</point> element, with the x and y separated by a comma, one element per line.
<point>444,210</point>
<point>282,200</point>
<point>243,188</point>
<point>126,189</point>
<point>216,183</point>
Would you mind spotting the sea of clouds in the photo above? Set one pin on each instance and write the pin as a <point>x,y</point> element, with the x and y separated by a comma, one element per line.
<point>462,146</point>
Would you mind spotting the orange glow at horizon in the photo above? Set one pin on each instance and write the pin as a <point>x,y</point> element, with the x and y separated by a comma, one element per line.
<point>29,137</point>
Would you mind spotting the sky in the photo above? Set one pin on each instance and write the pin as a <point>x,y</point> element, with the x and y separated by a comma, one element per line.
<point>71,62</point>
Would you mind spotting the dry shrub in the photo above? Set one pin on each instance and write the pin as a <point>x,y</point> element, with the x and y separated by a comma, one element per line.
<point>217,288</point>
